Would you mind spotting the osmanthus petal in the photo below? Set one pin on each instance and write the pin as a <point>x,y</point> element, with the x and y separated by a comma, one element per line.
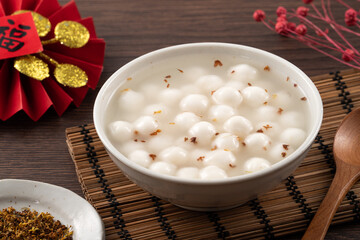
<point>93,52</point>
<point>93,71</point>
<point>60,99</point>
<point>47,7</point>
<point>11,92</point>
<point>35,99</point>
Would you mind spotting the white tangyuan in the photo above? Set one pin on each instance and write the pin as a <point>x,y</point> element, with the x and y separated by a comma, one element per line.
<point>256,164</point>
<point>257,142</point>
<point>188,173</point>
<point>149,90</point>
<point>220,113</point>
<point>174,155</point>
<point>236,84</point>
<point>203,132</point>
<point>267,113</point>
<point>272,129</point>
<point>292,119</point>
<point>238,125</point>
<point>163,168</point>
<point>220,158</point>
<point>130,100</point>
<point>170,96</point>
<point>282,99</point>
<point>195,103</point>
<point>293,136</point>
<point>127,147</point>
<point>158,111</point>
<point>191,89</point>
<point>193,73</point>
<point>121,130</point>
<point>227,95</point>
<point>254,96</point>
<point>242,72</point>
<point>141,157</point>
<point>145,125</point>
<point>212,173</point>
<point>209,83</point>
<point>159,142</point>
<point>185,120</point>
<point>279,151</point>
<point>226,141</point>
<point>197,157</point>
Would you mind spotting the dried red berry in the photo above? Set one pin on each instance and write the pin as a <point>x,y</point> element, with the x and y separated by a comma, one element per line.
<point>301,29</point>
<point>350,17</point>
<point>281,11</point>
<point>291,26</point>
<point>282,18</point>
<point>281,28</point>
<point>259,15</point>
<point>348,55</point>
<point>302,11</point>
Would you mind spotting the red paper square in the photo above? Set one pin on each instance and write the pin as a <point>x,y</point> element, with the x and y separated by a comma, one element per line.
<point>18,36</point>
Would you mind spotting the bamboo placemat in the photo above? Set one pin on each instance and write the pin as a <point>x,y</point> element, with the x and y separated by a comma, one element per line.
<point>130,213</point>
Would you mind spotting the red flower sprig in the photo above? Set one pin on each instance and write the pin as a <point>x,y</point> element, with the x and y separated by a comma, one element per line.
<point>328,40</point>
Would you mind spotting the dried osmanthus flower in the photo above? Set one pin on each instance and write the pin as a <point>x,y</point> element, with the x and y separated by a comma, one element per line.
<point>325,34</point>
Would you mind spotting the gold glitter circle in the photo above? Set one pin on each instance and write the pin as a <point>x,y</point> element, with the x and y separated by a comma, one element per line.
<point>70,75</point>
<point>42,24</point>
<point>32,66</point>
<point>71,34</point>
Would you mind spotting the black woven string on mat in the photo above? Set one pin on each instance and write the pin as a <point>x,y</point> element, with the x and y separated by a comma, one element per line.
<point>219,228</point>
<point>296,195</point>
<point>119,222</point>
<point>260,214</point>
<point>346,102</point>
<point>164,224</point>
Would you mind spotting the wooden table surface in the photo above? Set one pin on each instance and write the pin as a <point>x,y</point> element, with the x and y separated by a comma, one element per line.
<point>37,150</point>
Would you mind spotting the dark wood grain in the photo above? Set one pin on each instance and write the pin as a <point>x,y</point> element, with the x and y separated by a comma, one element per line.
<point>37,150</point>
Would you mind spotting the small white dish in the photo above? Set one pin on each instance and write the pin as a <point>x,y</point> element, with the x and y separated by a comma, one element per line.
<point>66,206</point>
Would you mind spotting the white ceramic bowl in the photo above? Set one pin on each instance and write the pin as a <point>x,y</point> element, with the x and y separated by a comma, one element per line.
<point>217,194</point>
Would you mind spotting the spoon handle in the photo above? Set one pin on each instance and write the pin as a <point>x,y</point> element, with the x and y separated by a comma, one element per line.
<point>345,177</point>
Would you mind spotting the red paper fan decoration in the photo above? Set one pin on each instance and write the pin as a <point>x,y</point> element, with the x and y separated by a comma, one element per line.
<point>34,97</point>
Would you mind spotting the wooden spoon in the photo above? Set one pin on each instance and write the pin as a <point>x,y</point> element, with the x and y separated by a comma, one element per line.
<point>346,150</point>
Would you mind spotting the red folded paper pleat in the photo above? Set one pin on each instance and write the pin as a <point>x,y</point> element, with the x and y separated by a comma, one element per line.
<point>18,92</point>
<point>13,91</point>
<point>2,12</point>
<point>47,7</point>
<point>69,12</point>
<point>35,99</point>
<point>60,99</point>
<point>29,4</point>
<point>93,52</point>
<point>10,6</point>
<point>89,24</point>
<point>93,71</point>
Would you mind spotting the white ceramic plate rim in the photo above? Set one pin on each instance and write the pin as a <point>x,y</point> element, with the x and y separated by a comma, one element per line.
<point>317,101</point>
<point>65,205</point>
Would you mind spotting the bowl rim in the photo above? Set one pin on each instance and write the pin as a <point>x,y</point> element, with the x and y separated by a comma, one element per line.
<point>240,178</point>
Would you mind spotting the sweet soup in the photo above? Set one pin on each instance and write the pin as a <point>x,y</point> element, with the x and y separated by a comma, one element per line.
<point>208,118</point>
